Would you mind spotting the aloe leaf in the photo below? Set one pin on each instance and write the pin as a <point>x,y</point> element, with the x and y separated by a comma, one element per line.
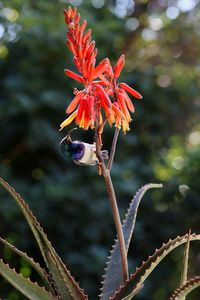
<point>141,274</point>
<point>113,276</point>
<point>67,287</point>
<point>185,263</point>
<point>29,289</point>
<point>135,292</point>
<point>43,274</point>
<point>182,291</point>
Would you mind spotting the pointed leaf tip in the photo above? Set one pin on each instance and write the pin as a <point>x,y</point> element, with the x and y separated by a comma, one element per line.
<point>141,274</point>
<point>66,285</point>
<point>113,276</point>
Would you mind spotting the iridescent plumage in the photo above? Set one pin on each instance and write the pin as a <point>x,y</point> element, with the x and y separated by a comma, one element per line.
<point>81,153</point>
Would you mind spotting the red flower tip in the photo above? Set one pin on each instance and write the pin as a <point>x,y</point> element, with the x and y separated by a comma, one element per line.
<point>75,102</point>
<point>103,96</point>
<point>130,90</point>
<point>119,66</point>
<point>74,75</point>
<point>102,66</point>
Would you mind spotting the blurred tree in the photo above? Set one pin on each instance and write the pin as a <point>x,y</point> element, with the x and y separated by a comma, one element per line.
<point>161,42</point>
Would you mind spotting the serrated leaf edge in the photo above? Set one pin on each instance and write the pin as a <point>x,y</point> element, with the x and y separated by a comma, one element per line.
<point>42,272</point>
<point>23,206</point>
<point>34,284</point>
<point>141,191</point>
<point>153,260</point>
<point>184,290</point>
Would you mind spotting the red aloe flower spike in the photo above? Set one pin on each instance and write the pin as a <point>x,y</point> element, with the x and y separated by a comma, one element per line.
<point>95,53</point>
<point>91,72</point>
<point>94,100</point>
<point>85,47</point>
<point>128,100</point>
<point>82,121</point>
<point>119,66</point>
<point>118,112</point>
<point>74,11</point>
<point>71,47</point>
<point>84,69</point>
<point>99,82</point>
<point>80,52</point>
<point>77,64</point>
<point>109,70</point>
<point>118,117</point>
<point>91,110</point>
<point>68,14</point>
<point>102,66</point>
<point>75,102</point>
<point>77,19</point>
<point>90,49</point>
<point>122,104</point>
<point>76,30</point>
<point>130,90</point>
<point>80,111</point>
<point>70,37</point>
<point>90,68</point>
<point>86,114</point>
<point>104,80</point>
<point>74,75</point>
<point>103,96</point>
<point>86,36</point>
<point>90,61</point>
<point>82,28</point>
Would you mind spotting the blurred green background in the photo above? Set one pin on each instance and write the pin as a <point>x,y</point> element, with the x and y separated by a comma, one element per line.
<point>161,41</point>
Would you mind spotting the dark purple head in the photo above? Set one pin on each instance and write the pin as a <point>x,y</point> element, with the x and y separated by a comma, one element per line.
<point>76,150</point>
<point>73,149</point>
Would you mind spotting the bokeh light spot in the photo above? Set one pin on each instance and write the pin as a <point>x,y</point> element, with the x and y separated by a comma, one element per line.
<point>187,5</point>
<point>172,12</point>
<point>98,3</point>
<point>163,81</point>
<point>2,31</point>
<point>149,34</point>
<point>178,162</point>
<point>194,138</point>
<point>132,24</point>
<point>155,23</point>
<point>10,14</point>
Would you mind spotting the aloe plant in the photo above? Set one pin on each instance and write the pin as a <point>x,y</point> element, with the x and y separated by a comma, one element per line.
<point>102,101</point>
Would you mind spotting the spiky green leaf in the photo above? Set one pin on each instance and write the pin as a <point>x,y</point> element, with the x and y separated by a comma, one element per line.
<point>141,274</point>
<point>113,276</point>
<point>43,274</point>
<point>29,289</point>
<point>66,286</point>
<point>182,291</point>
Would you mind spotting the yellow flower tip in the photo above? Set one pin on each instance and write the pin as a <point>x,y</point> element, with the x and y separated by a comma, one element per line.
<point>67,121</point>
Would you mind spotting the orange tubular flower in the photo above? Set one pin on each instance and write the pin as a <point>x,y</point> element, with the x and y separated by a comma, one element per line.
<point>102,99</point>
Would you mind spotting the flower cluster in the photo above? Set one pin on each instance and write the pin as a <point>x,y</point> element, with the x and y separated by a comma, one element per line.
<point>102,99</point>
